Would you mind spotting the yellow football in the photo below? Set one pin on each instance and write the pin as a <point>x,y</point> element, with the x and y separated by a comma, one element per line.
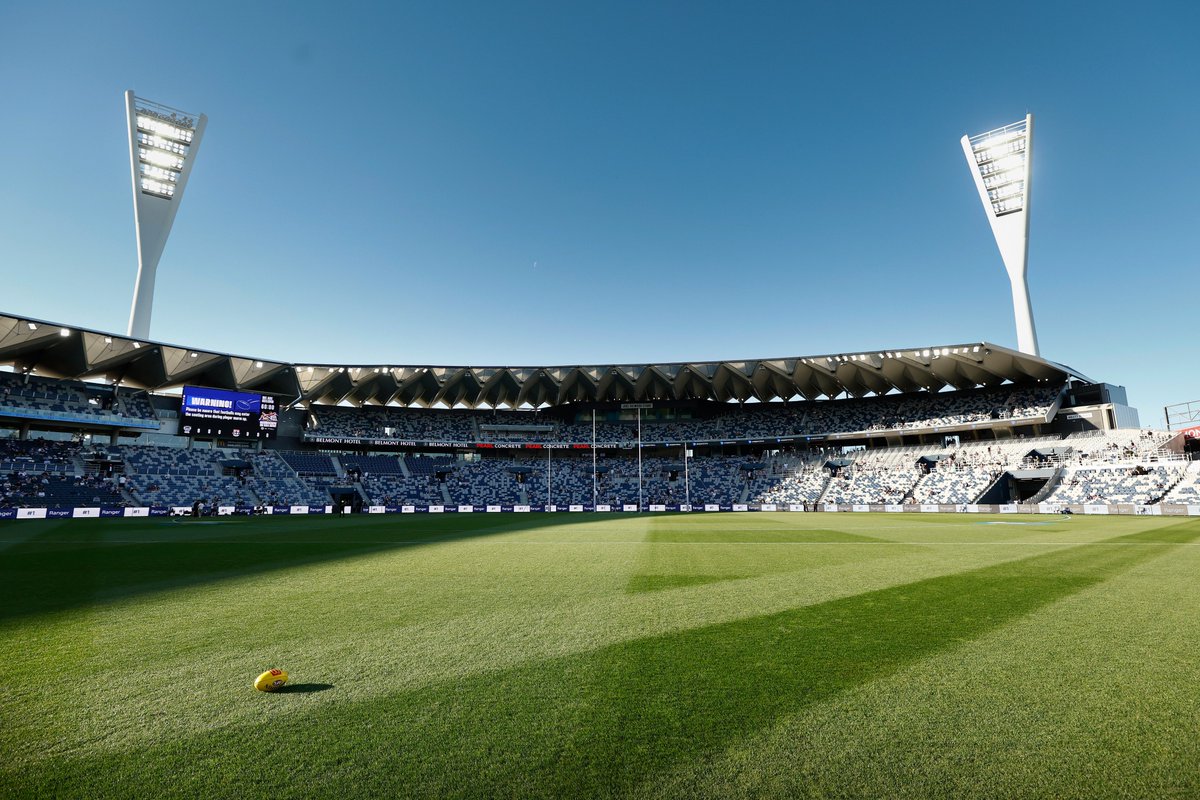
<point>270,680</point>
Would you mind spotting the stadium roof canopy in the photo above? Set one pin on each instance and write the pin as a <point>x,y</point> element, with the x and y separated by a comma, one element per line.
<point>63,351</point>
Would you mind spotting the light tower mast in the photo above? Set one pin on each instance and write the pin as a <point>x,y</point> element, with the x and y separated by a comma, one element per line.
<point>163,143</point>
<point>1000,163</point>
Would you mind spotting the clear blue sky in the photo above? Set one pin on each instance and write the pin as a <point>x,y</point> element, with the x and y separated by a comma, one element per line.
<point>545,183</point>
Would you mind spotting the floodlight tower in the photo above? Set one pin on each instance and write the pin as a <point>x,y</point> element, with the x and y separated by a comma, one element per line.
<point>163,143</point>
<point>1000,161</point>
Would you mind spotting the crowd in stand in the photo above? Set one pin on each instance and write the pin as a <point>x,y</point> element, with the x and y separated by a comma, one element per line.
<point>952,473</point>
<point>36,455</point>
<point>41,471</point>
<point>395,423</point>
<point>20,488</point>
<point>749,421</point>
<point>903,413</point>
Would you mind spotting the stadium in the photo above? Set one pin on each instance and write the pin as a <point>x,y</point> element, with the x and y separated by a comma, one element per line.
<point>917,570</point>
<point>969,427</point>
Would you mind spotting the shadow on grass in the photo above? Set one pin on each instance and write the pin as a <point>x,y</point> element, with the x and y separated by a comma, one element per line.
<point>653,577</point>
<point>77,563</point>
<point>603,723</point>
<point>303,688</point>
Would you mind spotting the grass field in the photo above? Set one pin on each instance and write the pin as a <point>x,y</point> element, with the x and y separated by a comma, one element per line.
<point>714,655</point>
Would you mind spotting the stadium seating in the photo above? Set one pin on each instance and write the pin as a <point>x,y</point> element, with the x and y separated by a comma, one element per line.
<point>277,484</point>
<point>1187,491</point>
<point>1120,445</point>
<point>37,456</point>
<point>52,491</point>
<point>29,396</point>
<point>485,482</point>
<point>868,485</point>
<point>394,423</point>
<point>1099,467</point>
<point>308,463</point>
<point>398,490</point>
<point>372,465</point>
<point>801,486</point>
<point>1139,485</point>
<point>764,420</point>
<point>172,476</point>
<point>950,485</point>
<point>425,465</point>
<point>570,482</point>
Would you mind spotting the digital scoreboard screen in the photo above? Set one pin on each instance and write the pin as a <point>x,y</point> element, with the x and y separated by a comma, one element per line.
<point>233,415</point>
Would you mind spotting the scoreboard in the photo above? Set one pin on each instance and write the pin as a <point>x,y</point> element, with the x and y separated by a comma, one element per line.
<point>232,415</point>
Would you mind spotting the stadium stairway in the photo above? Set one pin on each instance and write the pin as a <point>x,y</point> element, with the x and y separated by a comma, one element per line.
<point>446,499</point>
<point>1187,488</point>
<point>338,469</point>
<point>1050,486</point>
<point>404,470</point>
<point>1185,476</point>
<point>825,491</point>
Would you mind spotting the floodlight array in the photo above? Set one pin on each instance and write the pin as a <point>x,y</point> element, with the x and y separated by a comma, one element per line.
<point>164,129</point>
<point>163,146</point>
<point>1001,158</point>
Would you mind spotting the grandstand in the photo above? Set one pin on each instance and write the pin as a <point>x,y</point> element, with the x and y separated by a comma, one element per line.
<point>938,427</point>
